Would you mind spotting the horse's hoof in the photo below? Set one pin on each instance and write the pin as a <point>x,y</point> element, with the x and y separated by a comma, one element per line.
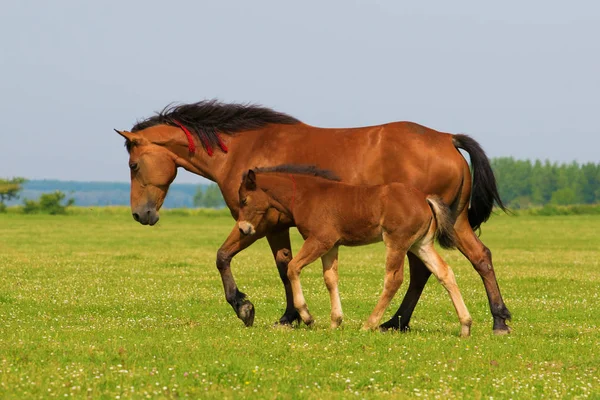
<point>288,319</point>
<point>502,331</point>
<point>391,325</point>
<point>246,313</point>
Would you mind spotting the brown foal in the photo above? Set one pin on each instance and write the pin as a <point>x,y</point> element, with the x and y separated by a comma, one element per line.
<point>329,214</point>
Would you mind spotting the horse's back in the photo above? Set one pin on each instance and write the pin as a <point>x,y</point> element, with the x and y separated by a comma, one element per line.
<point>394,152</point>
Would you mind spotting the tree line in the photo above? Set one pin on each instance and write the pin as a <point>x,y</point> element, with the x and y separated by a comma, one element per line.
<point>523,183</point>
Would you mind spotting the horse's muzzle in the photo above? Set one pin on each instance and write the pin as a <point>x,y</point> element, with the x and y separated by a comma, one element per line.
<point>146,216</point>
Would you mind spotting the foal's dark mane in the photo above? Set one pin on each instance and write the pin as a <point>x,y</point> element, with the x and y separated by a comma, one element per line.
<point>310,170</point>
<point>207,118</point>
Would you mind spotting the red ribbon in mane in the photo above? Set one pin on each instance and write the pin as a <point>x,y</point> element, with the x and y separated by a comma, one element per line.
<point>203,137</point>
<point>188,134</point>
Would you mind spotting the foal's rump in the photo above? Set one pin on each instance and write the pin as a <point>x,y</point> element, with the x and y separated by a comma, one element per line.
<point>410,210</point>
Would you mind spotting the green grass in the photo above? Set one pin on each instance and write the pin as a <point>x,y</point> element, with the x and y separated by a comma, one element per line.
<point>94,305</point>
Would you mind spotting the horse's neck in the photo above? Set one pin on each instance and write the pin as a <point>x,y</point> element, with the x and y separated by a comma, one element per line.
<point>209,167</point>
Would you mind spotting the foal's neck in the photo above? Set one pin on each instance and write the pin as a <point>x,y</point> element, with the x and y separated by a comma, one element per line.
<point>289,190</point>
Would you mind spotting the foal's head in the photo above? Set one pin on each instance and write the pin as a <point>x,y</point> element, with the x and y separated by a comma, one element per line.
<point>257,212</point>
<point>152,168</point>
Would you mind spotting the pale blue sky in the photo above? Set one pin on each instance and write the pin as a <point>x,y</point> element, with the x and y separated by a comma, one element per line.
<point>523,78</point>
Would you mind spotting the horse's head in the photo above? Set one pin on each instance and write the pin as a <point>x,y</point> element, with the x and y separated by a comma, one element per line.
<point>256,208</point>
<point>152,168</point>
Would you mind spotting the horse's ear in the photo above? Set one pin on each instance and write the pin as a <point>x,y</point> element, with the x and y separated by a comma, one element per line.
<point>127,135</point>
<point>250,181</point>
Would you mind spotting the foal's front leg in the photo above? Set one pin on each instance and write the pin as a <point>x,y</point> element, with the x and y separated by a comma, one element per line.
<point>330,275</point>
<point>310,251</point>
<point>235,243</point>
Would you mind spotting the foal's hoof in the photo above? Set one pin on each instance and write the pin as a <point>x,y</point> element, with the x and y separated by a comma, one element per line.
<point>246,313</point>
<point>336,322</point>
<point>367,328</point>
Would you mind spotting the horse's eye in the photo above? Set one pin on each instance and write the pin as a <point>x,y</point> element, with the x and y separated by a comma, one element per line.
<point>244,202</point>
<point>133,166</point>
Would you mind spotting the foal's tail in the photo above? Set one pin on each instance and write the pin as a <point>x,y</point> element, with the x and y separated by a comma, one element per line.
<point>444,230</point>
<point>484,192</point>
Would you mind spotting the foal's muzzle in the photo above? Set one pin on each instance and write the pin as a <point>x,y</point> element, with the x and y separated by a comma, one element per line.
<point>246,228</point>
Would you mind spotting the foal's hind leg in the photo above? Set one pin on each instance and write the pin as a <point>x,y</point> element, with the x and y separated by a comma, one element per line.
<point>394,273</point>
<point>481,258</point>
<point>330,274</point>
<point>443,272</point>
<point>419,274</point>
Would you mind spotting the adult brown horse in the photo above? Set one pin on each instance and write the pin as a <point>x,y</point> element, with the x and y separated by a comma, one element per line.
<point>237,137</point>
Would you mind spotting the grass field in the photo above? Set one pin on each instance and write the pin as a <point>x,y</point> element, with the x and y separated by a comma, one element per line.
<point>95,305</point>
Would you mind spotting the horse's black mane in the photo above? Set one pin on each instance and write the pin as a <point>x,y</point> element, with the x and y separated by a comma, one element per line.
<point>209,117</point>
<point>311,170</point>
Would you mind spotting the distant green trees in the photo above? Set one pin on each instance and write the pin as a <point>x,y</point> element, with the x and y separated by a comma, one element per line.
<point>9,189</point>
<point>209,197</point>
<point>525,183</point>
<point>48,203</point>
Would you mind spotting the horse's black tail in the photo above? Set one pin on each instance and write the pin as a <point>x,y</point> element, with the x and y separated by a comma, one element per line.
<point>444,231</point>
<point>484,191</point>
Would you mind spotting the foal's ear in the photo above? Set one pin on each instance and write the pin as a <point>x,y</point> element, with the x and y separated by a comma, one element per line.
<point>250,181</point>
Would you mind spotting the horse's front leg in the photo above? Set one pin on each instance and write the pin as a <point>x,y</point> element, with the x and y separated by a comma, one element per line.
<point>235,242</point>
<point>282,252</point>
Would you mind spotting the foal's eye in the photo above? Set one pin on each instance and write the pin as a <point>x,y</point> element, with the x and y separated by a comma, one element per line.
<point>133,166</point>
<point>244,202</point>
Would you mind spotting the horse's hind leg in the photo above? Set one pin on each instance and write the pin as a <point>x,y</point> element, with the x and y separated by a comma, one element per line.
<point>419,274</point>
<point>330,275</point>
<point>282,251</point>
<point>481,258</point>
<point>394,271</point>
<point>445,275</point>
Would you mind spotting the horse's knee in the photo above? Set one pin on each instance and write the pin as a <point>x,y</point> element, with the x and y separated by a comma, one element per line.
<point>483,262</point>
<point>223,260</point>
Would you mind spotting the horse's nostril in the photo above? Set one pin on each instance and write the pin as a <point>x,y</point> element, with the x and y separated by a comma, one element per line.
<point>242,231</point>
<point>136,216</point>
